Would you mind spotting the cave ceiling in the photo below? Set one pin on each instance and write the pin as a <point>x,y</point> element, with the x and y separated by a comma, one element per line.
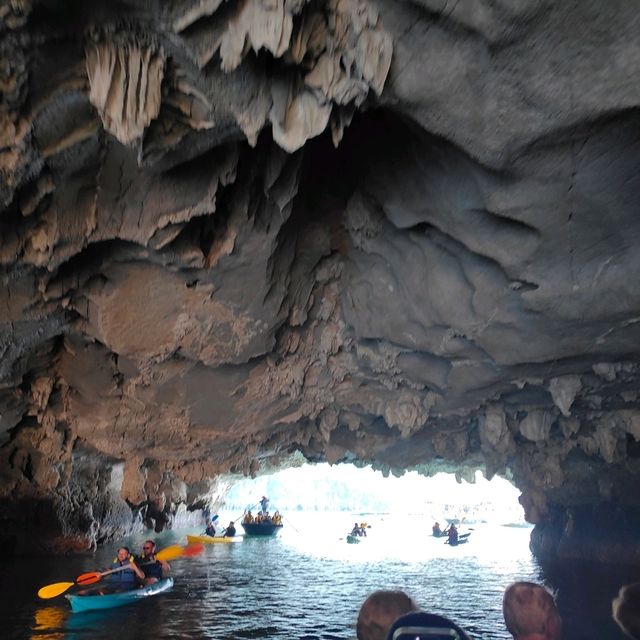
<point>378,231</point>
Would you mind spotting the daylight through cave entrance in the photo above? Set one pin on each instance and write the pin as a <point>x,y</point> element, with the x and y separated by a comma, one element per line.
<point>362,490</point>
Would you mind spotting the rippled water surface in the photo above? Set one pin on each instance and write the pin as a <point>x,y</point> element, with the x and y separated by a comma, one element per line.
<point>309,584</point>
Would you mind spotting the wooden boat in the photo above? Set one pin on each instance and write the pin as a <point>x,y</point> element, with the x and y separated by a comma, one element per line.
<point>261,528</point>
<point>213,539</point>
<point>94,601</point>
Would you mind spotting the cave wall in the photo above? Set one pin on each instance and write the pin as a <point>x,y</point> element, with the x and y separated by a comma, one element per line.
<point>398,233</point>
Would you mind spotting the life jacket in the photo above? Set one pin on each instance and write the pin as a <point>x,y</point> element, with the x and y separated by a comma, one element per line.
<point>151,569</point>
<point>123,579</point>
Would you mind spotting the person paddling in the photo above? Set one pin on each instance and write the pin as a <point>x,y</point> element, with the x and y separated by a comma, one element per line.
<point>129,578</point>
<point>211,527</point>
<point>153,569</point>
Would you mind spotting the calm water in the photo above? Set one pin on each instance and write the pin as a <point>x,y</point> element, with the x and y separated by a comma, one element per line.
<point>309,584</point>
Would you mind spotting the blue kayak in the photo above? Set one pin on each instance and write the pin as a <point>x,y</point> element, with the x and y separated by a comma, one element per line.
<point>93,602</point>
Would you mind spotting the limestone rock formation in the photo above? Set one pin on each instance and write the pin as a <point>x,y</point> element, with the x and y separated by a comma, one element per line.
<point>372,231</point>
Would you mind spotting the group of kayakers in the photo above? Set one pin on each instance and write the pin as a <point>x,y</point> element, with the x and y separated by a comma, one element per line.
<point>212,530</point>
<point>451,532</point>
<point>136,571</point>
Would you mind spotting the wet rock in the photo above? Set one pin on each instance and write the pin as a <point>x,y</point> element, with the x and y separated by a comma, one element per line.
<point>397,233</point>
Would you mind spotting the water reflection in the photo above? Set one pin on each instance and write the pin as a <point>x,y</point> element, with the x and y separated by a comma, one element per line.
<point>48,623</point>
<point>310,583</point>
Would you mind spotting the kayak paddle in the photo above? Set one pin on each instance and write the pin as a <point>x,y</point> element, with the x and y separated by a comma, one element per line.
<point>169,553</point>
<point>178,550</point>
<point>55,589</point>
<point>58,588</point>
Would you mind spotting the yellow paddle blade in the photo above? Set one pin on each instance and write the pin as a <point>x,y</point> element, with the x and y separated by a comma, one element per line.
<point>170,553</point>
<point>179,551</point>
<point>53,590</point>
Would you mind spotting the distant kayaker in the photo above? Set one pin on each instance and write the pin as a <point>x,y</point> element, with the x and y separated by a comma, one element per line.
<point>153,569</point>
<point>437,531</point>
<point>211,527</point>
<point>453,534</point>
<point>230,531</point>
<point>128,578</point>
<point>264,505</point>
<point>356,531</point>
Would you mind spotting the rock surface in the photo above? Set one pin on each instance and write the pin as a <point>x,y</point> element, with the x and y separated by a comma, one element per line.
<point>399,233</point>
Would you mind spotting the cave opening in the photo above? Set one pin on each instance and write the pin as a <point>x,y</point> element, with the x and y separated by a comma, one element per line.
<point>362,489</point>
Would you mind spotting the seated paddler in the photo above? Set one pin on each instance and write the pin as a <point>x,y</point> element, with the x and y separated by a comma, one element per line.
<point>128,578</point>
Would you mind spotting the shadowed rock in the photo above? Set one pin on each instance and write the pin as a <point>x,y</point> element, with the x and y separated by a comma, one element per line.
<point>398,233</point>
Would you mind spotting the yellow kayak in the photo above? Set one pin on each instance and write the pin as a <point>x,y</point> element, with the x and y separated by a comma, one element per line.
<point>212,539</point>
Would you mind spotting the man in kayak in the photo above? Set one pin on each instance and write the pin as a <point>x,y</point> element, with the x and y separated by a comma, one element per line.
<point>153,569</point>
<point>437,531</point>
<point>230,531</point>
<point>453,535</point>
<point>123,579</point>
<point>211,527</point>
<point>530,612</point>
<point>129,578</point>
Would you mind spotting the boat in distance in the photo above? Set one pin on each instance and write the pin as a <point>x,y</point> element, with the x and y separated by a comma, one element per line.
<point>261,528</point>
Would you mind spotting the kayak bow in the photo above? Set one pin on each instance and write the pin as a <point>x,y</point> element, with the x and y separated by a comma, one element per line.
<point>94,601</point>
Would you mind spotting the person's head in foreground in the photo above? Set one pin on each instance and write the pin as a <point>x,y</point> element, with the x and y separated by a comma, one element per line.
<point>626,610</point>
<point>530,612</point>
<point>425,626</point>
<point>379,611</point>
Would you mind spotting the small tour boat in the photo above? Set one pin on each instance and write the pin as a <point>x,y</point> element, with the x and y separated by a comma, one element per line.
<point>94,601</point>
<point>204,539</point>
<point>261,528</point>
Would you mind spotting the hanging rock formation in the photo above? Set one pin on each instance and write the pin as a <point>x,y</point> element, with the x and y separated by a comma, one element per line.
<point>372,231</point>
